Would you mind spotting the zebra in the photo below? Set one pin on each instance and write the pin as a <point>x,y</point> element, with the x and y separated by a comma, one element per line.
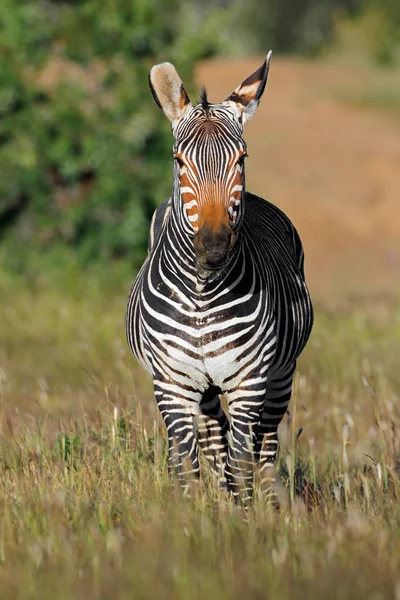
<point>220,305</point>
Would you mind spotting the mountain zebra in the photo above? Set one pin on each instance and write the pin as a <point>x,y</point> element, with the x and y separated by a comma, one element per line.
<point>220,305</point>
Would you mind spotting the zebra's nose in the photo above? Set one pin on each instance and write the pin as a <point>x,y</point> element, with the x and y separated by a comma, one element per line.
<point>212,247</point>
<point>216,240</point>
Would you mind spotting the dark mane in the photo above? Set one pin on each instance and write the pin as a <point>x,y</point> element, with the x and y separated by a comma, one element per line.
<point>204,100</point>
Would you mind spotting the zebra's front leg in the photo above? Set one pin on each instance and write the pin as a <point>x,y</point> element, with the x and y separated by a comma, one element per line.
<point>212,430</point>
<point>178,408</point>
<point>245,408</point>
<point>276,401</point>
<point>266,453</point>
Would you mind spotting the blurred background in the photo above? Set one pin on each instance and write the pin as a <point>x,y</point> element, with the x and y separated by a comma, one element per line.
<point>85,158</point>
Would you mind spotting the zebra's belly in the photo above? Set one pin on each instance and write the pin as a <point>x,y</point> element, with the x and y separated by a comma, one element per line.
<point>229,363</point>
<point>225,370</point>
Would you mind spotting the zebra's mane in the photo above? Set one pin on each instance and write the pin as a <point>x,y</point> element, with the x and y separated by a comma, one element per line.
<point>204,100</point>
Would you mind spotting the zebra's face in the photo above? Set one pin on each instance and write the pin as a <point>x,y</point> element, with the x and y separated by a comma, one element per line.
<point>209,159</point>
<point>209,154</point>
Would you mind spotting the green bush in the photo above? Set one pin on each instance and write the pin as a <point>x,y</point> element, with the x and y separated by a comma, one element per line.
<point>292,26</point>
<point>373,32</point>
<point>311,26</point>
<point>85,154</point>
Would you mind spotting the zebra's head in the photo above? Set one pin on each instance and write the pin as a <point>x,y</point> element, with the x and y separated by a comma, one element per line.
<point>209,153</point>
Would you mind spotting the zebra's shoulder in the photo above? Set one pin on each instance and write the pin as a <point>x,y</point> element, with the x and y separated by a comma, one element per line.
<point>263,218</point>
<point>158,221</point>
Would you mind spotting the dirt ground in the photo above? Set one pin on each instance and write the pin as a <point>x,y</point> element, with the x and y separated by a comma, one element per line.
<point>332,166</point>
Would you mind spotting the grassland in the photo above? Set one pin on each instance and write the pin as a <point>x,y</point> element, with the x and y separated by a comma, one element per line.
<point>86,507</point>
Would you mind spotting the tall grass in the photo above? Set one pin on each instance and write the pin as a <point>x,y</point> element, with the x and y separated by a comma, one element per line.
<point>87,509</point>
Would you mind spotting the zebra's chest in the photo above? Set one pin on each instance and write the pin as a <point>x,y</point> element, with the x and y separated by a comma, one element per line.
<point>211,342</point>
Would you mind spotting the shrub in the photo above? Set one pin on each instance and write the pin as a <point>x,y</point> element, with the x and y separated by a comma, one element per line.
<point>85,154</point>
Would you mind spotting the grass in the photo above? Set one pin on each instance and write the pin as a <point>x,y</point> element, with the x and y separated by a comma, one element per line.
<point>86,507</point>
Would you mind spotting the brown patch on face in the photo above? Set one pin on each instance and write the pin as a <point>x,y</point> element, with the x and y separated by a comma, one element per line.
<point>211,128</point>
<point>214,214</point>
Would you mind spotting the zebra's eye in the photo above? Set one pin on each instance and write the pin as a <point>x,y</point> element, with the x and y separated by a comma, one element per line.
<point>179,161</point>
<point>240,162</point>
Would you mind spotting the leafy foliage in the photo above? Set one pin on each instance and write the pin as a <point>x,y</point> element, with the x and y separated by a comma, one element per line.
<point>311,26</point>
<point>373,31</point>
<point>84,152</point>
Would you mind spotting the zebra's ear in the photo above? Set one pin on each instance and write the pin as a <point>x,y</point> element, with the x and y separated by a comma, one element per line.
<point>168,91</point>
<point>247,96</point>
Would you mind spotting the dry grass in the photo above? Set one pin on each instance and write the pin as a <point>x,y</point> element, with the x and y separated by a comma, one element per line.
<point>86,508</point>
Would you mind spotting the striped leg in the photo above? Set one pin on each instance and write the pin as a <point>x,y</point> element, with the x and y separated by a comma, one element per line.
<point>245,417</point>
<point>275,404</point>
<point>178,408</point>
<point>213,426</point>
<point>267,448</point>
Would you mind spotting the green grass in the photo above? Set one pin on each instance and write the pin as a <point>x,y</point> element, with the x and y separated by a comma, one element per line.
<point>87,509</point>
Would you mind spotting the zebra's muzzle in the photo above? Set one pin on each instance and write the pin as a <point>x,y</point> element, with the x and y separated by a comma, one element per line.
<point>213,248</point>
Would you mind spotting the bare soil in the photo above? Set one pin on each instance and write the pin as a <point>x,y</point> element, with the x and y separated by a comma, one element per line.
<point>332,166</point>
